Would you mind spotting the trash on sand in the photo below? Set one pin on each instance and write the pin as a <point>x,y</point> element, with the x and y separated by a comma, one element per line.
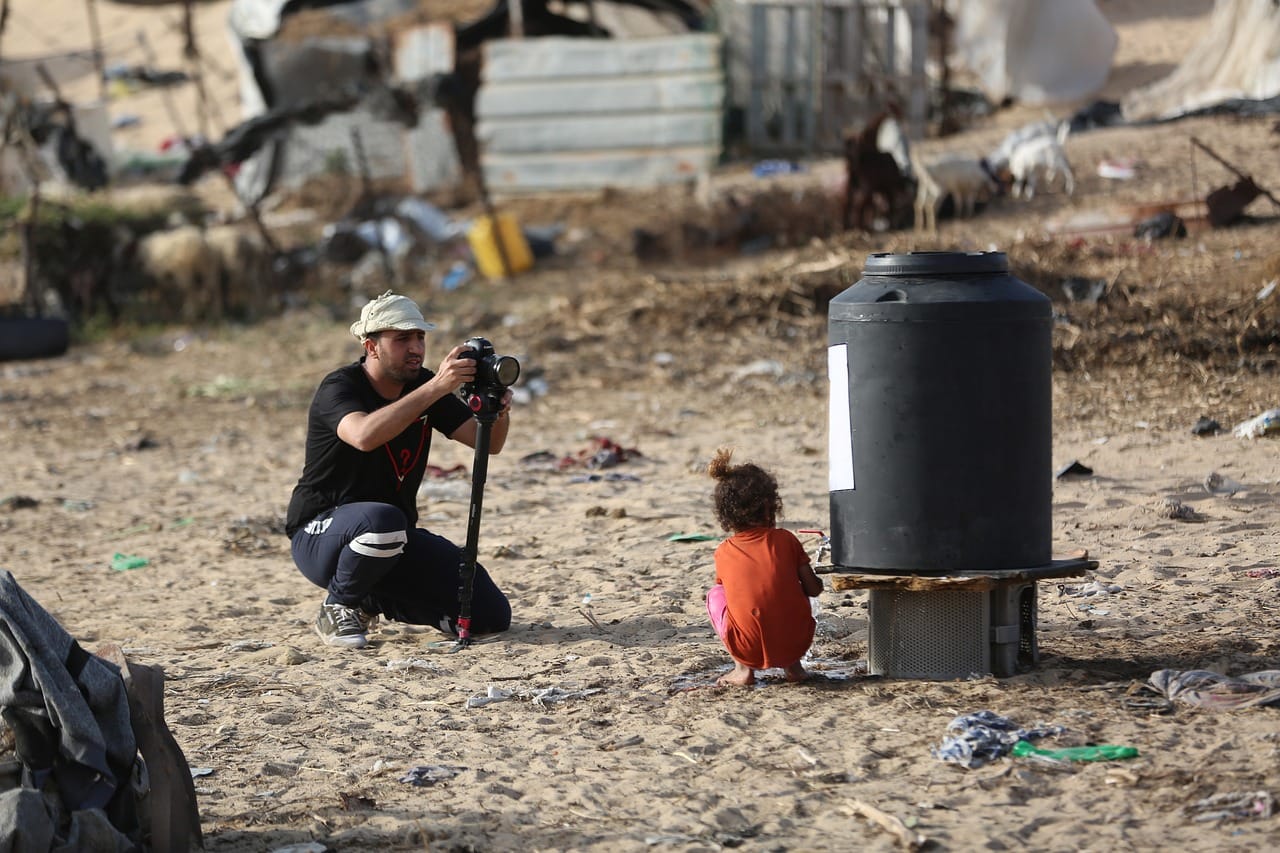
<point>691,537</point>
<point>761,367</point>
<point>1237,805</point>
<point>492,694</point>
<point>1074,468</point>
<point>1206,426</point>
<point>1119,168</point>
<point>603,452</point>
<point>411,663</point>
<point>611,477</point>
<point>1166,223</point>
<point>1218,692</point>
<point>1176,510</point>
<point>978,738</point>
<point>429,774</point>
<point>1263,573</point>
<point>1221,485</point>
<point>906,835</point>
<point>125,562</point>
<point>541,696</point>
<point>1089,589</point>
<point>1098,752</point>
<point>1266,423</point>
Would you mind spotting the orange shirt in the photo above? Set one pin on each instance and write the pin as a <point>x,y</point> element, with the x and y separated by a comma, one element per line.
<point>769,623</point>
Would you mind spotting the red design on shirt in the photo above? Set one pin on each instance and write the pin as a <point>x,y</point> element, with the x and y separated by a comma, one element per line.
<point>408,458</point>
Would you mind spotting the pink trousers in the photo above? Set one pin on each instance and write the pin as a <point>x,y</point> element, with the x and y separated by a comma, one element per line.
<point>717,608</point>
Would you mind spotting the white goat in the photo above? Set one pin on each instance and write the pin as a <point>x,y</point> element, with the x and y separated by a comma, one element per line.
<point>1036,161</point>
<point>998,160</point>
<point>962,178</point>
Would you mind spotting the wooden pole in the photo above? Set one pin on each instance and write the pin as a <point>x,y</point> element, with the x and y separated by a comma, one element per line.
<point>99,59</point>
<point>4,15</point>
<point>192,55</point>
<point>515,12</point>
<point>366,184</point>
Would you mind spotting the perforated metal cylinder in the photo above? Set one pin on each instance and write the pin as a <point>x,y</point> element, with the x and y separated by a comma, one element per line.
<point>941,403</point>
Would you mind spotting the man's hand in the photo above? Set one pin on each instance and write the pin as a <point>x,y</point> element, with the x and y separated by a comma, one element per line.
<point>455,372</point>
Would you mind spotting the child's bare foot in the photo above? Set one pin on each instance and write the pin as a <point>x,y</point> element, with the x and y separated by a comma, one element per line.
<point>742,676</point>
<point>796,672</point>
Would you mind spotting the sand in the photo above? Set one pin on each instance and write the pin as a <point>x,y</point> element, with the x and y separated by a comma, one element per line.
<point>597,726</point>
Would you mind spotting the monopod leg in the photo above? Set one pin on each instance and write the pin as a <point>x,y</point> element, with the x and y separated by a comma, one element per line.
<point>467,573</point>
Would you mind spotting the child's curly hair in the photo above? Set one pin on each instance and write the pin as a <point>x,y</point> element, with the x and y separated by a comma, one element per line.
<point>746,496</point>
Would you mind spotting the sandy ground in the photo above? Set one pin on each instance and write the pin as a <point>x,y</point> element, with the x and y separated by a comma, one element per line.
<point>603,730</point>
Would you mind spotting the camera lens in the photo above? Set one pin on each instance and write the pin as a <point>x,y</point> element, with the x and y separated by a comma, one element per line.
<point>506,370</point>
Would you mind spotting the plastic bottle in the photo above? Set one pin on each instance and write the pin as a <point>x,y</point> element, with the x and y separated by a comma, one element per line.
<point>1099,752</point>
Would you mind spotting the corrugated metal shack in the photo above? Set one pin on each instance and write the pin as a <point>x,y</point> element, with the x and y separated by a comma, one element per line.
<point>575,114</point>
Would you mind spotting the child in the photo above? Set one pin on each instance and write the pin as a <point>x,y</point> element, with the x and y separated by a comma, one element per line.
<point>760,602</point>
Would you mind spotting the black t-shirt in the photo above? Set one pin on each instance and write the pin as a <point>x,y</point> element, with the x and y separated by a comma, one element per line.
<point>336,473</point>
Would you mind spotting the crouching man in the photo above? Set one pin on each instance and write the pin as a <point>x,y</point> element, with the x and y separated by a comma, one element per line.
<point>353,516</point>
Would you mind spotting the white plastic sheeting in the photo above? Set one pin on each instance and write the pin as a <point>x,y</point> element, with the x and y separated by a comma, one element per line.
<point>1238,57</point>
<point>1034,51</point>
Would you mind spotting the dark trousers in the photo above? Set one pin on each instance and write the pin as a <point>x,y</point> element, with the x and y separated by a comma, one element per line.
<point>366,555</point>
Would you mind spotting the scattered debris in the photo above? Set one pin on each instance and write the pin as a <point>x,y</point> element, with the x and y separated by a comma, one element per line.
<point>1164,224</point>
<point>125,562</point>
<point>1206,426</point>
<point>425,775</point>
<point>1218,692</point>
<point>1266,423</point>
<point>1074,468</point>
<point>978,738</point>
<point>1089,589</point>
<point>1232,806</point>
<point>907,837</point>
<point>1222,485</point>
<point>1175,509</point>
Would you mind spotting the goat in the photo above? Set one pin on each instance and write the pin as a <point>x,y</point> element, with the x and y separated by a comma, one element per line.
<point>963,178</point>
<point>870,175</point>
<point>998,160</point>
<point>1039,160</point>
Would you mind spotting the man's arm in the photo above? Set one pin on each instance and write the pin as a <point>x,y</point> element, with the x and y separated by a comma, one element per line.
<point>469,431</point>
<point>369,430</point>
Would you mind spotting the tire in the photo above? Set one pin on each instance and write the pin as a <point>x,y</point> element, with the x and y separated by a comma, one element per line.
<point>33,337</point>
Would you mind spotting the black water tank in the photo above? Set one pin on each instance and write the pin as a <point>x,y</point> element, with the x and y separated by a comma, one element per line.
<point>941,405</point>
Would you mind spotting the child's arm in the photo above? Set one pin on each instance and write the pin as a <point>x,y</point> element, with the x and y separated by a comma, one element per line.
<point>809,581</point>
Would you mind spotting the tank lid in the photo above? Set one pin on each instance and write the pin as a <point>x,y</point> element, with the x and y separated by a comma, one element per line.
<point>935,263</point>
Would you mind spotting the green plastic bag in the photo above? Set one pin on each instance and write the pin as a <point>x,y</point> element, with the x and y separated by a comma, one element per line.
<point>1100,752</point>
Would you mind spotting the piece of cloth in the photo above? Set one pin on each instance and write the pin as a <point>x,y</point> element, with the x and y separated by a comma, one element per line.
<point>51,688</point>
<point>983,736</point>
<point>365,556</point>
<point>768,620</point>
<point>389,311</point>
<point>1218,692</point>
<point>335,473</point>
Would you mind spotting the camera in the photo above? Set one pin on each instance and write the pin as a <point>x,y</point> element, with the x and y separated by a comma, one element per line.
<point>494,375</point>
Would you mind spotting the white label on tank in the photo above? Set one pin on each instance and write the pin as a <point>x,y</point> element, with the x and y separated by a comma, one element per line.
<point>840,432</point>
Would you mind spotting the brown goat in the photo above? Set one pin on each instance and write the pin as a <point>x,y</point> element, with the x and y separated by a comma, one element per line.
<point>873,181</point>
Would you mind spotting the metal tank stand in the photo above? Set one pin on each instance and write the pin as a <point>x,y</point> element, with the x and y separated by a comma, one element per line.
<point>964,623</point>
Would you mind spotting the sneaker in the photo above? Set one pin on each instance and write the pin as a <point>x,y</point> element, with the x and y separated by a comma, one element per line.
<point>339,625</point>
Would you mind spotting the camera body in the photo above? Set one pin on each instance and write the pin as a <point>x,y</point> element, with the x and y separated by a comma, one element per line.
<point>494,375</point>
